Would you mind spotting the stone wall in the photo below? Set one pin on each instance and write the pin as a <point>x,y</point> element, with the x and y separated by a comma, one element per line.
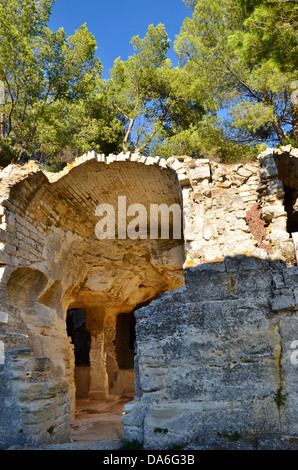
<point>216,199</point>
<point>232,209</point>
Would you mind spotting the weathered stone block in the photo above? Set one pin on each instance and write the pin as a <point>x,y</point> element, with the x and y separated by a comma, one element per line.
<point>268,165</point>
<point>244,171</point>
<point>184,179</point>
<point>272,212</point>
<point>276,236</point>
<point>200,173</point>
<point>283,301</point>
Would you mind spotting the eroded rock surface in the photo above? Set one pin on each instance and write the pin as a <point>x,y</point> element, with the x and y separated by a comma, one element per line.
<point>214,355</point>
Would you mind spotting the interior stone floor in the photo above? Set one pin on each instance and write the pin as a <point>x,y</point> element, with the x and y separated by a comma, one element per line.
<point>98,420</point>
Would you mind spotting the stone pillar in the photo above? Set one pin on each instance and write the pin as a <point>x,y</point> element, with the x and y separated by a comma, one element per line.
<point>99,388</point>
<point>111,361</point>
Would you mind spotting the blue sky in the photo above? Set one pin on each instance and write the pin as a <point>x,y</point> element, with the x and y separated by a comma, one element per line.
<point>114,22</point>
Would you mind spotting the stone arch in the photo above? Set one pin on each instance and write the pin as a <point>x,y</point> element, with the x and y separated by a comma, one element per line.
<point>55,262</point>
<point>25,285</point>
<point>39,304</point>
<point>226,333</point>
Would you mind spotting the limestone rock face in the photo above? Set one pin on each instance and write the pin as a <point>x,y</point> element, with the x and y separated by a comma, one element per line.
<point>212,355</point>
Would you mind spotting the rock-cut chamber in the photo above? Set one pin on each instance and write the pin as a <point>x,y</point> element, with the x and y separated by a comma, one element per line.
<point>70,296</point>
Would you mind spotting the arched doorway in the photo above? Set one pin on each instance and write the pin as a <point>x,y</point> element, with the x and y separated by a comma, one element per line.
<point>102,386</point>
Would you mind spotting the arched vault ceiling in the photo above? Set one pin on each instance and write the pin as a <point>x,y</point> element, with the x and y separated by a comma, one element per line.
<point>59,211</point>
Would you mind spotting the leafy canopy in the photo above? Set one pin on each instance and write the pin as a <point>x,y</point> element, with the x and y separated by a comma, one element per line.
<point>250,91</point>
<point>52,82</point>
<point>234,89</point>
<point>153,98</point>
<point>271,31</point>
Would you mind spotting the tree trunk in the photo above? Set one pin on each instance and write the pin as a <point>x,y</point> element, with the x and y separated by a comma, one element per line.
<point>278,130</point>
<point>295,121</point>
<point>2,125</point>
<point>127,135</point>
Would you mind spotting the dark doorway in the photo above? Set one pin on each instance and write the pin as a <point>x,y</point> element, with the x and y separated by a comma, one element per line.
<point>124,340</point>
<point>81,339</point>
<point>291,207</point>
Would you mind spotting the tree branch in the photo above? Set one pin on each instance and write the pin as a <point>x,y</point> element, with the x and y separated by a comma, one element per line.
<point>127,135</point>
<point>161,118</point>
<point>122,112</point>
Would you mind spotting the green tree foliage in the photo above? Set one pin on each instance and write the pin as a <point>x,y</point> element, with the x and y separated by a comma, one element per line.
<point>54,93</point>
<point>233,91</point>
<point>146,92</point>
<point>271,31</point>
<point>213,48</point>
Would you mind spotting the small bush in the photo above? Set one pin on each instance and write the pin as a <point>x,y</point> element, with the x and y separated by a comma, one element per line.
<point>232,437</point>
<point>279,397</point>
<point>161,430</point>
<point>131,445</point>
<point>235,436</point>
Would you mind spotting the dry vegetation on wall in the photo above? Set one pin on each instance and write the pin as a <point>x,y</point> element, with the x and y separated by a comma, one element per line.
<point>257,227</point>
